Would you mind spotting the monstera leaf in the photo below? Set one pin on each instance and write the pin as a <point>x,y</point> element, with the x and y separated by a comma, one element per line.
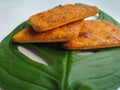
<point>65,70</point>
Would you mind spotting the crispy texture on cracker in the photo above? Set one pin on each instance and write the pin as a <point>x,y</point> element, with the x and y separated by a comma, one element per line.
<point>95,34</point>
<point>60,34</point>
<point>59,16</point>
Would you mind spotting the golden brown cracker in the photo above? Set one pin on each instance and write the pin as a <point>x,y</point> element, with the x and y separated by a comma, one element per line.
<point>59,16</point>
<point>60,34</point>
<point>95,34</point>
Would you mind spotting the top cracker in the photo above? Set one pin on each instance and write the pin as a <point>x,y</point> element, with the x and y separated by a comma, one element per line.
<point>61,15</point>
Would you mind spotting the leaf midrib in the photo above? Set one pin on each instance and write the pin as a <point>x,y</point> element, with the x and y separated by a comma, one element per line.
<point>64,85</point>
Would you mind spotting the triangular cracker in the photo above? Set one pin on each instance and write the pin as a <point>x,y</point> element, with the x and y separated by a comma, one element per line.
<point>60,16</point>
<point>95,34</point>
<point>60,34</point>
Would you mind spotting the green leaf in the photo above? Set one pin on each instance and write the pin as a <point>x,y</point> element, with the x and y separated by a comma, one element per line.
<point>66,70</point>
<point>103,15</point>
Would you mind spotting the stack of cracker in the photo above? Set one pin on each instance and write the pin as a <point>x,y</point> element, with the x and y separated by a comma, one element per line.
<point>66,24</point>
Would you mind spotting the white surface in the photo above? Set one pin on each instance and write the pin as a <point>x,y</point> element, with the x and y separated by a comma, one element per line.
<point>1,88</point>
<point>32,55</point>
<point>14,12</point>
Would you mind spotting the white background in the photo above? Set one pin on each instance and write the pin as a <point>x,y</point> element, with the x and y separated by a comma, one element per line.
<point>14,12</point>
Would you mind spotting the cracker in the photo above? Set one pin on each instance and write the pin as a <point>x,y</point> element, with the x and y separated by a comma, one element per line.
<point>60,34</point>
<point>59,16</point>
<point>95,34</point>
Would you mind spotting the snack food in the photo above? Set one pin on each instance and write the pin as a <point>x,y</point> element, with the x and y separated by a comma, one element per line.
<point>60,34</point>
<point>59,16</point>
<point>65,24</point>
<point>95,34</point>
